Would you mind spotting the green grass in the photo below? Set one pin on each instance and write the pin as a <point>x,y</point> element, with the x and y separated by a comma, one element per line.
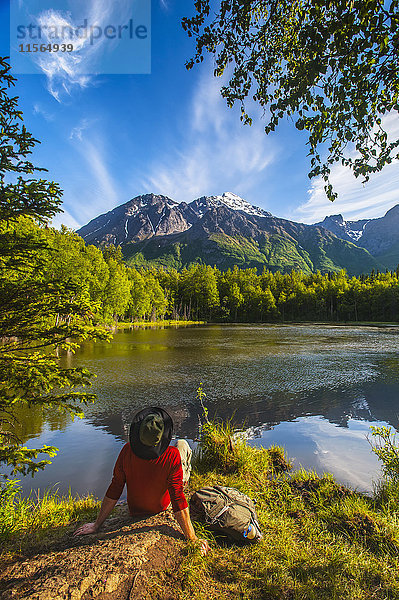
<point>24,521</point>
<point>321,540</point>
<point>223,450</point>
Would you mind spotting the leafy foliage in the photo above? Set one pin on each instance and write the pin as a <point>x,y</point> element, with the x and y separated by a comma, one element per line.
<point>386,447</point>
<point>206,293</point>
<point>332,66</point>
<point>35,197</point>
<point>42,313</point>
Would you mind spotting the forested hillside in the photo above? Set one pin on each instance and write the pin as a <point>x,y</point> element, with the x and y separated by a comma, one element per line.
<point>120,292</point>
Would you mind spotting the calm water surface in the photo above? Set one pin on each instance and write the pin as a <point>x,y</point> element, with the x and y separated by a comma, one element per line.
<point>315,389</point>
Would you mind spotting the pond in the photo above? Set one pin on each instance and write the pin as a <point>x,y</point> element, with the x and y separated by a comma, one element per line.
<point>314,389</point>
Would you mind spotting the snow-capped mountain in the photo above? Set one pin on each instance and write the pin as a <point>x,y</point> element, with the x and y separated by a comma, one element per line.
<point>236,203</point>
<point>222,230</point>
<point>151,214</point>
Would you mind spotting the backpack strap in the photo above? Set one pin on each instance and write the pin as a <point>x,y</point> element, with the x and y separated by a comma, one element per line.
<point>221,512</point>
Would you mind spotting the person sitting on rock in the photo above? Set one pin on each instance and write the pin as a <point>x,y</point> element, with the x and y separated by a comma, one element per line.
<point>154,473</point>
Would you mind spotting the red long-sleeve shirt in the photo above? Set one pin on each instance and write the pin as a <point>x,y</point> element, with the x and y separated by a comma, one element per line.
<point>151,484</point>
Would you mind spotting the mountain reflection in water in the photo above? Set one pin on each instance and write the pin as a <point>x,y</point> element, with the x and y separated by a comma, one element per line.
<point>298,384</point>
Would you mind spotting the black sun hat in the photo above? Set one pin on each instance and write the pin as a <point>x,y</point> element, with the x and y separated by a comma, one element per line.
<point>150,432</point>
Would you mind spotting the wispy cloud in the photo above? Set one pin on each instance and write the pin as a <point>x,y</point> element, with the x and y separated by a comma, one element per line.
<point>332,446</point>
<point>65,218</point>
<point>216,152</point>
<point>93,190</point>
<point>77,131</point>
<point>355,199</point>
<point>106,194</point>
<point>86,201</point>
<point>39,110</point>
<point>102,194</point>
<point>67,71</point>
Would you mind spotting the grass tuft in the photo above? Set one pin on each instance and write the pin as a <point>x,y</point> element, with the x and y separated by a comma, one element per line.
<point>222,449</point>
<point>22,519</point>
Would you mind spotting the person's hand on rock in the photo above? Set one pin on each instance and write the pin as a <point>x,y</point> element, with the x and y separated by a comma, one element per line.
<point>86,529</point>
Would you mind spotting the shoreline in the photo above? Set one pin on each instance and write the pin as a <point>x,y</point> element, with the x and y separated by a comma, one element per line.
<point>171,323</point>
<point>321,540</point>
<point>165,323</point>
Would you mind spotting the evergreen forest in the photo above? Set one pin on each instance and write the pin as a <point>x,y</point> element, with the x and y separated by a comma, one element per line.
<point>117,292</point>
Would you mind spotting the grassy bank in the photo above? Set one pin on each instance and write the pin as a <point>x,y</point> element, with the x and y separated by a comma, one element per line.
<point>34,520</point>
<point>170,323</point>
<point>125,324</point>
<point>321,540</point>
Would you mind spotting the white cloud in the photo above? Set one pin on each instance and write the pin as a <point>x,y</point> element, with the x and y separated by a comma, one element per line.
<point>102,194</point>
<point>315,443</point>
<point>93,190</point>
<point>355,199</point>
<point>106,195</point>
<point>77,131</point>
<point>85,202</point>
<point>333,446</point>
<point>39,110</point>
<point>217,151</point>
<point>67,71</point>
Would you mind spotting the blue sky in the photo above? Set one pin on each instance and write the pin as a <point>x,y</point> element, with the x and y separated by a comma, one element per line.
<point>107,138</point>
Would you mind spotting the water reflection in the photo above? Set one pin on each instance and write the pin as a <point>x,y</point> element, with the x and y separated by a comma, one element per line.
<point>262,375</point>
<point>317,444</point>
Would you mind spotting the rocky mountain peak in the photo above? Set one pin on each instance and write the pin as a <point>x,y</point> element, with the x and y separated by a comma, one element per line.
<point>151,222</point>
<point>227,230</point>
<point>392,213</point>
<point>233,202</point>
<point>378,236</point>
<point>351,231</point>
<point>335,218</point>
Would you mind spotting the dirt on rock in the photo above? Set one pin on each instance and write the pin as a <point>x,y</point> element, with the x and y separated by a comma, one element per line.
<point>115,564</point>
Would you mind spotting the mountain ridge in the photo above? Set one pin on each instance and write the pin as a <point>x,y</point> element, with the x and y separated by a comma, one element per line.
<point>380,236</point>
<point>224,230</point>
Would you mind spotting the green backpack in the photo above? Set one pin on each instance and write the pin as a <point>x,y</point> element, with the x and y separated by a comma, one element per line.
<point>226,511</point>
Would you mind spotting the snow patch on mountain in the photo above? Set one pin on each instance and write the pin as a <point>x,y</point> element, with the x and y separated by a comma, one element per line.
<point>160,219</point>
<point>356,234</point>
<point>236,203</point>
<point>150,222</point>
<point>347,230</point>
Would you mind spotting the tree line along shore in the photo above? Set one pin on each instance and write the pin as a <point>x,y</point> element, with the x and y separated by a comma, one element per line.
<point>200,292</point>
